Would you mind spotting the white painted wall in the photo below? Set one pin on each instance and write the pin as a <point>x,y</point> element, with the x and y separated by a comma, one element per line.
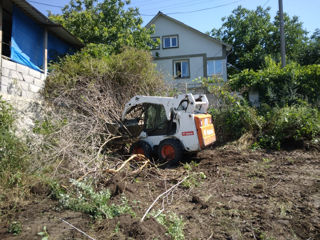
<point>190,42</point>
<point>165,66</point>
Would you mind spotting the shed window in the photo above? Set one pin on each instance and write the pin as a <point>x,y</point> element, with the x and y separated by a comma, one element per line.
<point>170,41</point>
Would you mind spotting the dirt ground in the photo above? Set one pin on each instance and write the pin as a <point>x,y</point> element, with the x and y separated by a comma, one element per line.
<point>230,194</point>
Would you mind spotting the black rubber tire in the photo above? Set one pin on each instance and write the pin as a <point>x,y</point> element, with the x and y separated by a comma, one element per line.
<point>144,146</point>
<point>174,145</point>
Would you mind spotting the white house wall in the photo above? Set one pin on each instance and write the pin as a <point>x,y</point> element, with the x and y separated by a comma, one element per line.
<point>196,71</point>
<point>190,42</point>
<point>193,46</point>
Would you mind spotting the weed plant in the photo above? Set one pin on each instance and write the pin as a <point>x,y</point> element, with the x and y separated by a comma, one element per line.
<point>85,199</point>
<point>172,223</point>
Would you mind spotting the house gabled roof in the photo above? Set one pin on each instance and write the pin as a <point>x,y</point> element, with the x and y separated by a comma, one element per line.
<point>58,29</point>
<point>160,14</point>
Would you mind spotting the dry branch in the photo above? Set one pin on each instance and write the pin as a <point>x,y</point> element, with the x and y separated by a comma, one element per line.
<point>162,195</point>
<point>133,157</point>
<point>77,229</point>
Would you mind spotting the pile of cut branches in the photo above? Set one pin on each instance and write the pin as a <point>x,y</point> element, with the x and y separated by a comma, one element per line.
<point>86,97</point>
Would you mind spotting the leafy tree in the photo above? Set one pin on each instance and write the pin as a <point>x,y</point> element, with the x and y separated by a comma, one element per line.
<point>311,53</point>
<point>295,37</point>
<point>254,36</point>
<point>248,32</point>
<point>107,24</point>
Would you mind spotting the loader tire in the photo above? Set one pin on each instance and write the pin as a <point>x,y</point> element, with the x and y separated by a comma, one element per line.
<point>170,151</point>
<point>141,147</point>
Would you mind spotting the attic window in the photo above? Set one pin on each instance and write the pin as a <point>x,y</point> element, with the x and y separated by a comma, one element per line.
<point>156,40</point>
<point>170,41</point>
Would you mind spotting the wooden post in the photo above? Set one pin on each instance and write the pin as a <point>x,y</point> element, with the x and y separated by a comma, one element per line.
<point>45,54</point>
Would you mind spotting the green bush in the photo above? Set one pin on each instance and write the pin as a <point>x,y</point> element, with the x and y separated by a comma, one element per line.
<point>173,224</point>
<point>125,75</point>
<point>85,199</point>
<point>280,86</point>
<point>231,114</point>
<point>290,127</point>
<point>13,152</point>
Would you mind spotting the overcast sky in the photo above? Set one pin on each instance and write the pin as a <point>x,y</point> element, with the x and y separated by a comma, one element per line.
<point>206,14</point>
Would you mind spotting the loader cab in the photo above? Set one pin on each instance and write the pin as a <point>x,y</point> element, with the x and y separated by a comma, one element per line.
<point>152,119</point>
<point>156,122</point>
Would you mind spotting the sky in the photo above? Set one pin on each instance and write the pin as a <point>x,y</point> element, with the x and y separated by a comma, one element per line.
<point>204,15</point>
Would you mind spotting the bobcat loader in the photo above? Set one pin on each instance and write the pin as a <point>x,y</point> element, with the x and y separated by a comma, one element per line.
<point>169,126</point>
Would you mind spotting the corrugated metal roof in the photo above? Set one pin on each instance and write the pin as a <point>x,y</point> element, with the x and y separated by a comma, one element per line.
<point>57,29</point>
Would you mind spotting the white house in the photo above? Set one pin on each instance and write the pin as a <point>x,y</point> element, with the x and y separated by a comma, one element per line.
<point>185,53</point>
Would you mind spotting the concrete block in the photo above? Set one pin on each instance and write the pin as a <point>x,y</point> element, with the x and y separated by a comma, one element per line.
<point>14,90</point>
<point>5,72</point>
<point>38,83</point>
<point>34,73</point>
<point>23,85</point>
<point>9,64</point>
<point>4,88</point>
<point>33,88</point>
<point>28,95</point>
<point>6,81</point>
<point>15,75</point>
<point>43,77</point>
<point>22,69</point>
<point>28,78</point>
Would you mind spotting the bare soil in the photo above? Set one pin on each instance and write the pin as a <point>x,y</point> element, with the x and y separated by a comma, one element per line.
<point>231,194</point>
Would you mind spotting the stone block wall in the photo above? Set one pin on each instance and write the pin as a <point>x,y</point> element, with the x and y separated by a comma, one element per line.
<point>20,86</point>
<point>21,81</point>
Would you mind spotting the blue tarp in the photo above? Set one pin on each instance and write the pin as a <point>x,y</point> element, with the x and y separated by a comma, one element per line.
<point>27,42</point>
<point>56,47</point>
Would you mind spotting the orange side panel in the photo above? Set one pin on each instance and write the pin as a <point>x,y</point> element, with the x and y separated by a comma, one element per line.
<point>205,129</point>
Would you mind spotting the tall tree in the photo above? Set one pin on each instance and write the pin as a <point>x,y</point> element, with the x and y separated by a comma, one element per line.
<point>254,36</point>
<point>106,22</point>
<point>295,35</point>
<point>311,53</point>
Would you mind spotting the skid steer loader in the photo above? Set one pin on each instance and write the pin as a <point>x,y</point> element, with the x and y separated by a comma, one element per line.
<point>169,126</point>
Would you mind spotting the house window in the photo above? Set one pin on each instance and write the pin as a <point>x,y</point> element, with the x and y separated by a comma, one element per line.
<point>181,69</point>
<point>214,67</point>
<point>170,41</point>
<point>156,40</point>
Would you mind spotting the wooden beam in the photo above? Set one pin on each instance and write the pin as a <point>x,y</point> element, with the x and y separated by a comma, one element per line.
<point>45,54</point>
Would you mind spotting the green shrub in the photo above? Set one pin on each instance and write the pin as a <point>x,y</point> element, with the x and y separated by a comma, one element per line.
<point>15,228</point>
<point>290,127</point>
<point>280,86</point>
<point>126,74</point>
<point>85,199</point>
<point>173,224</point>
<point>13,152</point>
<point>231,114</point>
